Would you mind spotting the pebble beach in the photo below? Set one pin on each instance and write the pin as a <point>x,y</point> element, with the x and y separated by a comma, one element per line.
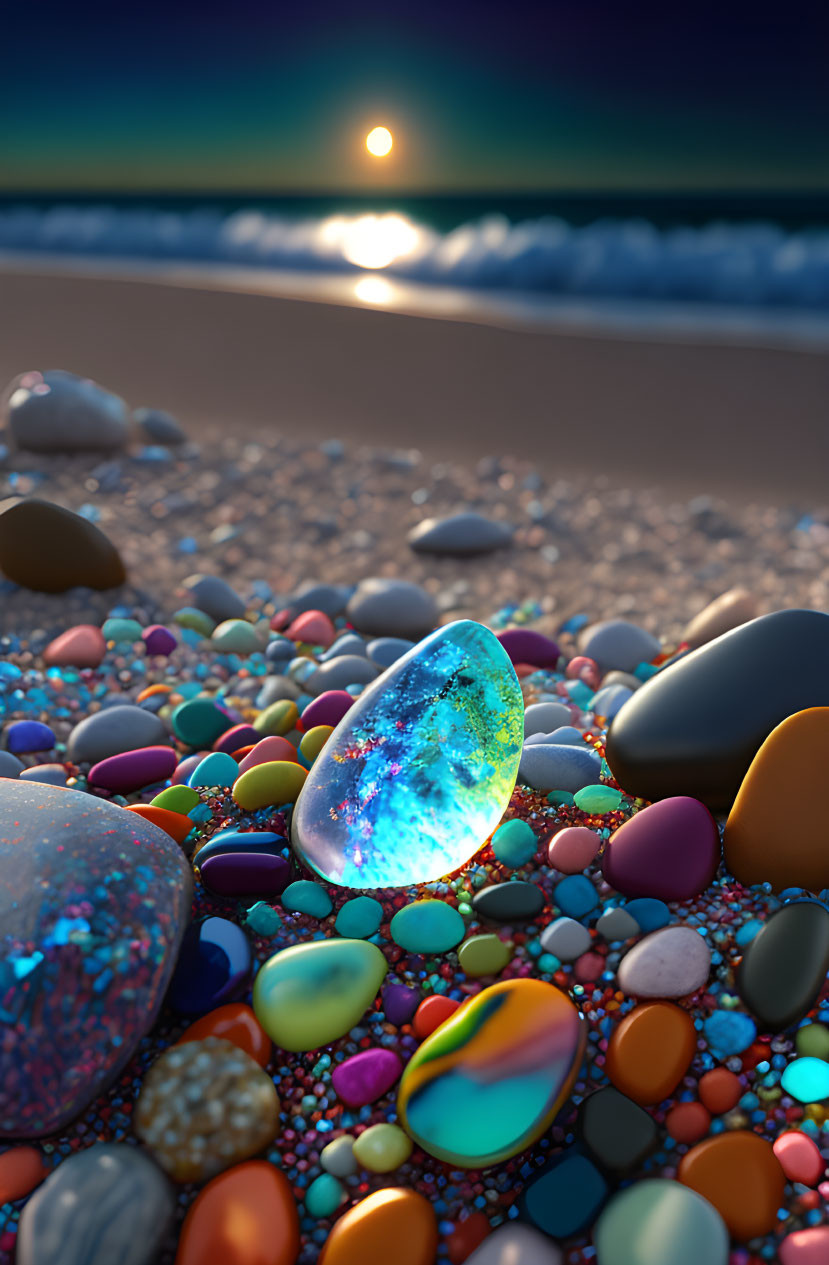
<point>401,850</point>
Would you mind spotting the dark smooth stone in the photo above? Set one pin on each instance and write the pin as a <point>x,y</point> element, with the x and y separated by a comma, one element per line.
<point>784,966</point>
<point>616,1130</point>
<point>103,1205</point>
<point>246,873</point>
<point>49,549</point>
<point>525,645</point>
<point>241,841</point>
<point>510,902</point>
<point>564,1196</point>
<point>460,535</point>
<point>694,728</point>
<point>399,1003</point>
<point>214,596</point>
<point>214,967</point>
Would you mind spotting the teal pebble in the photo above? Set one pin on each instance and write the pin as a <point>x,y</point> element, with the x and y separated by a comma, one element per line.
<point>359,918</point>
<point>199,722</point>
<point>324,1196</point>
<point>806,1079</point>
<point>306,897</point>
<point>427,926</point>
<point>200,813</point>
<point>559,798</point>
<point>216,769</point>
<point>263,919</point>
<point>598,799</point>
<point>514,843</point>
<point>122,630</point>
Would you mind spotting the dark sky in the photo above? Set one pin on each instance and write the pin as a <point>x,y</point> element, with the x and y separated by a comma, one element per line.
<point>569,94</point>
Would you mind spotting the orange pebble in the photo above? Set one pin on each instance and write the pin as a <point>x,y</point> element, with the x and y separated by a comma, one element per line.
<point>720,1090</point>
<point>741,1176</point>
<point>431,1013</point>
<point>150,691</point>
<point>688,1122</point>
<point>396,1226</point>
<point>239,755</point>
<point>799,1158</point>
<point>267,750</point>
<point>649,1052</point>
<point>246,1216</point>
<point>466,1236</point>
<point>174,824</point>
<point>234,1022</point>
<point>21,1169</point>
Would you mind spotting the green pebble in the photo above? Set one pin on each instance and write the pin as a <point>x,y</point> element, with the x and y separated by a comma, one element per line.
<point>196,621</point>
<point>559,798</point>
<point>236,636</point>
<point>279,718</point>
<point>199,722</point>
<point>263,920</point>
<point>514,843</point>
<point>177,799</point>
<point>306,897</point>
<point>598,799</point>
<point>427,926</point>
<point>812,1041</point>
<point>123,630</point>
<point>359,918</point>
<point>324,1196</point>
<point>631,1230</point>
<point>484,955</point>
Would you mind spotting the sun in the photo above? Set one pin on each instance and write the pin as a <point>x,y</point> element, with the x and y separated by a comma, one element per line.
<point>379,142</point>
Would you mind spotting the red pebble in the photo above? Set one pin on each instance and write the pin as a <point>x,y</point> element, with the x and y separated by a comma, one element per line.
<point>799,1158</point>
<point>720,1090</point>
<point>466,1237</point>
<point>588,967</point>
<point>314,628</point>
<point>21,1169</point>
<point>431,1013</point>
<point>688,1122</point>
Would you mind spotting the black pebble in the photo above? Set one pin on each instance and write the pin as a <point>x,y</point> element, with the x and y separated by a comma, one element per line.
<point>509,902</point>
<point>694,728</point>
<point>617,1131</point>
<point>784,966</point>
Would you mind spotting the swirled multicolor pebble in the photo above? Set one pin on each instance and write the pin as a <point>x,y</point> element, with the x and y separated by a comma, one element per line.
<point>382,1148</point>
<point>489,1081</point>
<point>311,994</point>
<point>364,1233</point>
<point>204,1106</point>
<point>276,782</point>
<point>246,1216</point>
<point>427,926</point>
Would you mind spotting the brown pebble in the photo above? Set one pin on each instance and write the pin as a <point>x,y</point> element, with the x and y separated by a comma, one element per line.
<point>650,1051</point>
<point>720,1090</point>
<point>49,549</point>
<point>741,1176</point>
<point>727,611</point>
<point>776,829</point>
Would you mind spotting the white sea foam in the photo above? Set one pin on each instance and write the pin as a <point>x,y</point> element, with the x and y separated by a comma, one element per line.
<point>737,264</point>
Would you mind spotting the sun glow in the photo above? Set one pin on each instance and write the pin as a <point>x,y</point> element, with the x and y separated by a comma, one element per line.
<point>379,142</point>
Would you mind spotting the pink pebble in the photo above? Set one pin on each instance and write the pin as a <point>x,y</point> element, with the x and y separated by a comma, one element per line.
<point>187,766</point>
<point>806,1247</point>
<point>588,967</point>
<point>326,709</point>
<point>799,1158</point>
<point>823,1191</point>
<point>80,647</point>
<point>266,751</point>
<point>312,627</point>
<point>583,669</point>
<point>572,849</point>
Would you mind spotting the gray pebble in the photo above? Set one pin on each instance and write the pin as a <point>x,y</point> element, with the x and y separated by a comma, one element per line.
<point>10,766</point>
<point>337,1157</point>
<point>274,689</point>
<point>615,677</point>
<point>329,598</point>
<point>514,1243</point>
<point>49,774</point>
<point>466,533</point>
<point>392,608</point>
<point>617,924</point>
<point>349,643</point>
<point>214,596</point>
<point>610,700</point>
<point>72,415</point>
<point>348,669</point>
<point>384,651</point>
<point>545,717</point>
<point>671,962</point>
<point>566,938</point>
<point>158,427</point>
<point>567,736</point>
<point>616,643</point>
<point>117,729</point>
<point>559,767</point>
<point>106,1205</point>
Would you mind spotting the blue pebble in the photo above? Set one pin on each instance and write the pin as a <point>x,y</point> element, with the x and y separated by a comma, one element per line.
<point>216,769</point>
<point>359,918</point>
<point>650,913</point>
<point>564,1196</point>
<point>729,1032</point>
<point>25,736</point>
<point>609,701</point>
<point>576,896</point>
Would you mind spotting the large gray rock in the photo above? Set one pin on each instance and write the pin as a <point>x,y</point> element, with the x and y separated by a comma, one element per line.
<point>113,730</point>
<point>392,608</point>
<point>57,411</point>
<point>107,1205</point>
<point>466,533</point>
<point>214,596</point>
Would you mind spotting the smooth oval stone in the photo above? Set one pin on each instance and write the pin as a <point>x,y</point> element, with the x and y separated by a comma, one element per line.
<point>158,426</point>
<point>214,966</point>
<point>198,722</point>
<point>51,774</point>
<point>672,962</point>
<point>21,1170</point>
<point>245,1216</point>
<point>203,1106</point>
<point>158,640</point>
<point>391,608</point>
<point>785,965</point>
<point>216,769</point>
<point>384,651</point>
<point>130,770</point>
<point>617,1131</point>
<point>25,736</point>
<point>741,1176</point>
<point>366,1076</point>
<point>515,1244</point>
<point>62,850</point>
<point>650,1051</point>
<point>56,411</point>
<point>529,1037</point>
<point>275,782</point>
<point>566,938</point>
<point>806,1247</point>
<point>236,841</point>
<point>104,1204</point>
<point>117,629</point>
<point>514,843</point>
<point>267,751</point>
<point>324,1196</point>
<point>337,1157</point>
<point>382,1148</point>
<point>666,741</point>
<point>727,611</point>
<point>363,1233</point>
<point>349,643</point>
<point>806,1079</point>
<point>669,850</point>
<point>419,772</point>
<point>564,1195</point>
<point>616,643</point>
<point>776,828</point>
<point>572,849</point>
<point>617,924</point>
<point>813,1040</point>
<point>235,738</point>
<point>234,1022</point>
<point>113,730</point>
<point>728,1032</point>
<point>545,718</point>
<point>427,926</point>
<point>399,1003</point>
<point>214,596</point>
<point>313,741</point>
<point>314,628</point>
<point>305,897</point>
<point>236,636</point>
<point>336,674</point>
<point>598,799</point>
<point>460,535</point>
<point>49,549</point>
<point>80,647</point>
<point>245,873</point>
<point>509,903</point>
<point>484,955</point>
<point>327,709</point>
<point>559,767</point>
<point>640,1221</point>
<point>525,645</point>
<point>311,994</point>
<point>10,766</point>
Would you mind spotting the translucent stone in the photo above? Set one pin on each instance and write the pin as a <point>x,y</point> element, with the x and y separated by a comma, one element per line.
<point>419,772</point>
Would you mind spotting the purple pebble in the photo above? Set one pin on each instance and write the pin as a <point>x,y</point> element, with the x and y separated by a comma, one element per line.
<point>327,709</point>
<point>133,769</point>
<point>366,1076</point>
<point>246,874</point>
<point>158,639</point>
<point>523,645</point>
<point>669,850</point>
<point>399,1003</point>
<point>239,736</point>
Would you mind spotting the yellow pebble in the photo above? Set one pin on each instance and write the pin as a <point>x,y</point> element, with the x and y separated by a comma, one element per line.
<point>279,718</point>
<point>277,782</point>
<point>314,740</point>
<point>382,1148</point>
